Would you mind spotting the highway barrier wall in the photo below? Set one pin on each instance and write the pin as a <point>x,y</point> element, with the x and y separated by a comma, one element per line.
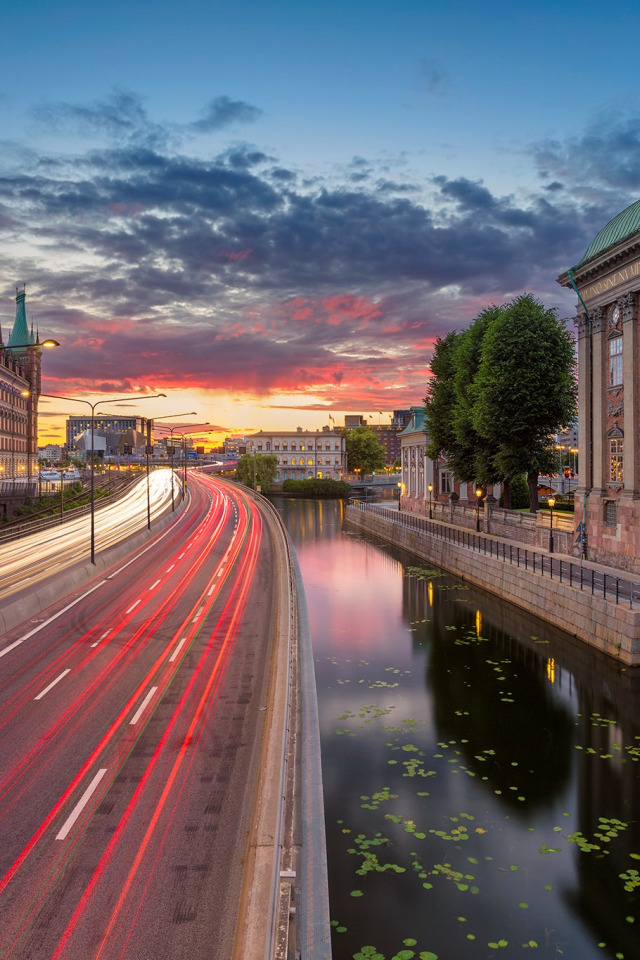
<point>611,627</point>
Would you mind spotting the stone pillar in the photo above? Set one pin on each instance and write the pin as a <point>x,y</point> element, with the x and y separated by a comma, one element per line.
<point>584,405</point>
<point>599,344</point>
<point>629,308</point>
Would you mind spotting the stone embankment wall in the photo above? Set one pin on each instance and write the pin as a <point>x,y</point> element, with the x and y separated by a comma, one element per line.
<point>610,627</point>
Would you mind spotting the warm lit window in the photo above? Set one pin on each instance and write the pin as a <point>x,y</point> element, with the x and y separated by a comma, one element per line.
<point>615,361</point>
<point>616,461</point>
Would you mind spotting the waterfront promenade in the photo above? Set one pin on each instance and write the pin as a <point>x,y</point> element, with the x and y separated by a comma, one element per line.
<point>589,601</point>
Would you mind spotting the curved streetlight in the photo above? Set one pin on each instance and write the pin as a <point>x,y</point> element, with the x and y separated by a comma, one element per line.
<point>168,416</point>
<point>55,396</point>
<point>479,492</point>
<point>172,430</point>
<point>551,504</point>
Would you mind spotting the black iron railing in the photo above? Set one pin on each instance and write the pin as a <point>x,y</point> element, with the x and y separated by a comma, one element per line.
<point>577,575</point>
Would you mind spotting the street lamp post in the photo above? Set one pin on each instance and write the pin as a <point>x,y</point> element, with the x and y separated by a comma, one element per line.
<point>93,406</point>
<point>399,495</point>
<point>551,504</point>
<point>478,498</point>
<point>573,451</point>
<point>430,489</point>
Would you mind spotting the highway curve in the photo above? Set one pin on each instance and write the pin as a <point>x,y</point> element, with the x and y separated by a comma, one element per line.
<point>132,720</point>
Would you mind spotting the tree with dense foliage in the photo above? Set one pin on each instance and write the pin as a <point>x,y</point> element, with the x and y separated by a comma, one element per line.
<point>499,392</point>
<point>257,470</point>
<point>441,397</point>
<point>526,388</point>
<point>365,453</point>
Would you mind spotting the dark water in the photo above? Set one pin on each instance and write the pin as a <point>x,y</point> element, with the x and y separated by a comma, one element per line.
<point>481,777</point>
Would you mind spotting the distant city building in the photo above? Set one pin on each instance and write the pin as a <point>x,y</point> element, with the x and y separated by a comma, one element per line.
<point>113,436</point>
<point>351,421</point>
<point>53,452</point>
<point>235,445</point>
<point>607,283</point>
<point>302,454</point>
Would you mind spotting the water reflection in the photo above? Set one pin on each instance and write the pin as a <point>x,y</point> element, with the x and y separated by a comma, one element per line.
<point>480,768</point>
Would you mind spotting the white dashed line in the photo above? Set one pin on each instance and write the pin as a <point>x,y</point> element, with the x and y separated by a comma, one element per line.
<point>133,606</point>
<point>154,585</point>
<point>52,684</point>
<point>177,650</point>
<point>141,708</point>
<point>81,804</point>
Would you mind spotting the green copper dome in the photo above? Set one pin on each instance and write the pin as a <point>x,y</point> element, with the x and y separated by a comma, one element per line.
<point>624,225</point>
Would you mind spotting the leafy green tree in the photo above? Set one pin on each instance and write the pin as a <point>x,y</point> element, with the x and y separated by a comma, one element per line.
<point>526,389</point>
<point>257,471</point>
<point>441,397</point>
<point>365,453</point>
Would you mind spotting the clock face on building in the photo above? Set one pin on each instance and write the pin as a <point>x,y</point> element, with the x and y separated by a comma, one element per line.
<point>614,315</point>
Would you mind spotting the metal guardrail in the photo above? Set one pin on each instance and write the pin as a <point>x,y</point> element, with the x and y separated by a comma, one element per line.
<point>597,582</point>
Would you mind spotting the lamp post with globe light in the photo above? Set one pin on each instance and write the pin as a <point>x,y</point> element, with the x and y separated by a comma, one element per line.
<point>551,504</point>
<point>478,499</point>
<point>430,489</point>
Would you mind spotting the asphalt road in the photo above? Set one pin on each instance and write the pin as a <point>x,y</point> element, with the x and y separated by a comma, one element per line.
<point>131,724</point>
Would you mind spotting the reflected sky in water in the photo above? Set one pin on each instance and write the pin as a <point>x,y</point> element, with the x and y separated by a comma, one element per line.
<point>480,768</point>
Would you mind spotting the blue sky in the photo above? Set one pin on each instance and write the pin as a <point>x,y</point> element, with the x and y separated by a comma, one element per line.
<point>272,210</point>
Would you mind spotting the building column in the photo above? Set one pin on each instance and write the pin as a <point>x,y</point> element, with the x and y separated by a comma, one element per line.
<point>584,405</point>
<point>629,307</point>
<point>599,371</point>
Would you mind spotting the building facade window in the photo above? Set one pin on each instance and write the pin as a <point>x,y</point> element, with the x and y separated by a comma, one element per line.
<point>610,513</point>
<point>446,481</point>
<point>615,362</point>
<point>616,461</point>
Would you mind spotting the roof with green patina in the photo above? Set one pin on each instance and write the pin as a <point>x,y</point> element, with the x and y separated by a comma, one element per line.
<point>620,228</point>
<point>416,424</point>
<point>20,336</point>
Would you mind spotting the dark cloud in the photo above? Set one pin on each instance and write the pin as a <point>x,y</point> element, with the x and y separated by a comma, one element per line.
<point>222,112</point>
<point>157,268</point>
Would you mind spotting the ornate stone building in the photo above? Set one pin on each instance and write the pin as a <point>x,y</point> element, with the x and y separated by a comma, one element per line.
<point>20,360</point>
<point>417,469</point>
<point>607,283</point>
<point>303,454</point>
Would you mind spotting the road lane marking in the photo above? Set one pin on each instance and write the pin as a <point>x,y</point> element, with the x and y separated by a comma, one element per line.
<point>133,606</point>
<point>52,684</point>
<point>105,634</point>
<point>169,569</point>
<point>154,585</point>
<point>16,643</point>
<point>177,650</point>
<point>141,708</point>
<point>81,804</point>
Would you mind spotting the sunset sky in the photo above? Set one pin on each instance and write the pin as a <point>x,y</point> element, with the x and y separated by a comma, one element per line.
<point>269,211</point>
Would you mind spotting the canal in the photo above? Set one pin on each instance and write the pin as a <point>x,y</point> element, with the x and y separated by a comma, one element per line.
<point>481,769</point>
